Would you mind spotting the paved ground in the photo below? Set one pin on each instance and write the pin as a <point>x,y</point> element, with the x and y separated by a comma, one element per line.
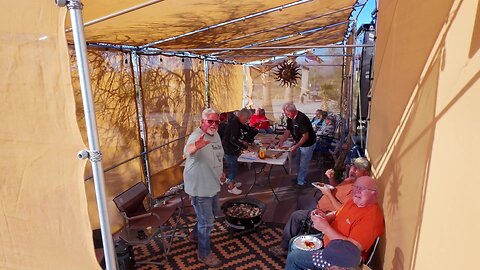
<point>280,211</point>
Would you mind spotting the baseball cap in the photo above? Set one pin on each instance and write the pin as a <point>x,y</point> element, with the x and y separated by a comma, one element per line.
<point>341,253</point>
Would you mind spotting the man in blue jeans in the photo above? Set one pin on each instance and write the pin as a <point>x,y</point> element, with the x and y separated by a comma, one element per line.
<point>236,139</point>
<point>202,175</point>
<point>338,254</point>
<point>300,127</point>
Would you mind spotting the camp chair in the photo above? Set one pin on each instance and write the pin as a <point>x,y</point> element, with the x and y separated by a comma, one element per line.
<point>142,224</point>
<point>372,251</point>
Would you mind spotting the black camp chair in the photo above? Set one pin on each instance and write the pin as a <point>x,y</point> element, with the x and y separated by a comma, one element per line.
<point>142,224</point>
<point>372,252</point>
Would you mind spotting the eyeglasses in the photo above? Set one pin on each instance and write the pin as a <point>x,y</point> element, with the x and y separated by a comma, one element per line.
<point>211,122</point>
<point>361,189</point>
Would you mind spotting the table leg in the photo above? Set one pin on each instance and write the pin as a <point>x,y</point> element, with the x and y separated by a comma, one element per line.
<point>290,157</point>
<point>270,183</point>
<point>255,177</point>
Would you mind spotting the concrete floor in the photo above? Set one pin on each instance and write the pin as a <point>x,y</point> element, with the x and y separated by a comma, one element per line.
<point>283,184</point>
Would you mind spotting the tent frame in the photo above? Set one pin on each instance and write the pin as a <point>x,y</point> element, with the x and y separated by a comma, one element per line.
<point>240,19</point>
<point>94,154</point>
<point>282,26</point>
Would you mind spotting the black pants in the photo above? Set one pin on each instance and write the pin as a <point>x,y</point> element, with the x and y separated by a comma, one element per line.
<point>294,226</point>
<point>309,201</point>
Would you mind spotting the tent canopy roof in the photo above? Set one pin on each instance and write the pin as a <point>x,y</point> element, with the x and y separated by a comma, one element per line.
<point>195,24</point>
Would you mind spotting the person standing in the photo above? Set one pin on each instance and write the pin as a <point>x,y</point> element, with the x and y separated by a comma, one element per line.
<point>202,176</point>
<point>235,140</point>
<point>300,127</point>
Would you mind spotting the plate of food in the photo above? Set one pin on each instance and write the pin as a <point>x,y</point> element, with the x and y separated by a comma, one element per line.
<point>319,184</point>
<point>308,242</point>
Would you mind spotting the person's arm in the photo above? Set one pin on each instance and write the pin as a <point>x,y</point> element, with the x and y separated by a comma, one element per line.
<point>198,144</point>
<point>284,137</point>
<point>323,224</point>
<point>330,173</point>
<point>304,139</point>
<point>328,216</point>
<point>223,178</point>
<point>328,193</point>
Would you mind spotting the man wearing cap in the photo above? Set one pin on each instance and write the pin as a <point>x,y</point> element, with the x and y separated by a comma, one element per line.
<point>338,255</point>
<point>299,126</point>
<point>360,221</point>
<point>331,200</point>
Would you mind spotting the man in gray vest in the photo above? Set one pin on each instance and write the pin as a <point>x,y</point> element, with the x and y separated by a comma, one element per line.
<point>202,175</point>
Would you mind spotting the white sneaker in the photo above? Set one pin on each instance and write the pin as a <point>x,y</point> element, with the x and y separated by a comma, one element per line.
<point>238,184</point>
<point>235,191</point>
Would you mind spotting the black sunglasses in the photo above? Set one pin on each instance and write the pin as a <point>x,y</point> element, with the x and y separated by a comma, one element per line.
<point>211,122</point>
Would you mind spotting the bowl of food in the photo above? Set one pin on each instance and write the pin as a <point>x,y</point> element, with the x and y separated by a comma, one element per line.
<point>243,211</point>
<point>320,184</point>
<point>308,243</point>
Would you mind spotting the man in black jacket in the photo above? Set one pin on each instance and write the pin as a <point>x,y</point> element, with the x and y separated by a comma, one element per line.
<point>300,127</point>
<point>236,138</point>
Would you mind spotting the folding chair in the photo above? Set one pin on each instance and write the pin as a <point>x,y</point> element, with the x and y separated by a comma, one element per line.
<point>372,251</point>
<point>142,224</point>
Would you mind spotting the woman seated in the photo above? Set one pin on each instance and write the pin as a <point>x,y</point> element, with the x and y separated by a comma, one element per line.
<point>318,120</point>
<point>260,121</point>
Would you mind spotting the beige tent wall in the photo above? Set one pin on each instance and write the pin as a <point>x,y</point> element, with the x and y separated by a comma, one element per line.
<point>225,86</point>
<point>44,222</point>
<point>422,137</point>
<point>114,98</point>
<point>173,92</point>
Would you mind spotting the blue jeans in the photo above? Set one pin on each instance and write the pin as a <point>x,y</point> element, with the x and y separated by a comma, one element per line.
<point>205,209</point>
<point>299,259</point>
<point>268,130</point>
<point>232,166</point>
<point>304,155</point>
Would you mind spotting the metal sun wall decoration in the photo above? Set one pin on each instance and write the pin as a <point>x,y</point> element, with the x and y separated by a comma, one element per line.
<point>287,73</point>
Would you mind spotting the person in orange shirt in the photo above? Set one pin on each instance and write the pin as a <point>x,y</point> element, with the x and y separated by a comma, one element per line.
<point>360,221</point>
<point>331,200</point>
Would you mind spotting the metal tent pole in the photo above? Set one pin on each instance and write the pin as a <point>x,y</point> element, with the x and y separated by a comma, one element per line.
<point>207,83</point>
<point>352,78</point>
<point>241,19</point>
<point>293,47</point>
<point>244,96</point>
<point>94,154</point>
<point>137,72</point>
<point>118,13</point>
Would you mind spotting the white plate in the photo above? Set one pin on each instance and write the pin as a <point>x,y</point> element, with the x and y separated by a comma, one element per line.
<point>318,185</point>
<point>301,242</point>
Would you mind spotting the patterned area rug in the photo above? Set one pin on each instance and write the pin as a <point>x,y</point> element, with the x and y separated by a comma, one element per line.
<point>243,250</point>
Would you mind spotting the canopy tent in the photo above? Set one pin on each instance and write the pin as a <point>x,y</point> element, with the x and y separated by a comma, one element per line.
<point>196,24</point>
<point>206,34</point>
